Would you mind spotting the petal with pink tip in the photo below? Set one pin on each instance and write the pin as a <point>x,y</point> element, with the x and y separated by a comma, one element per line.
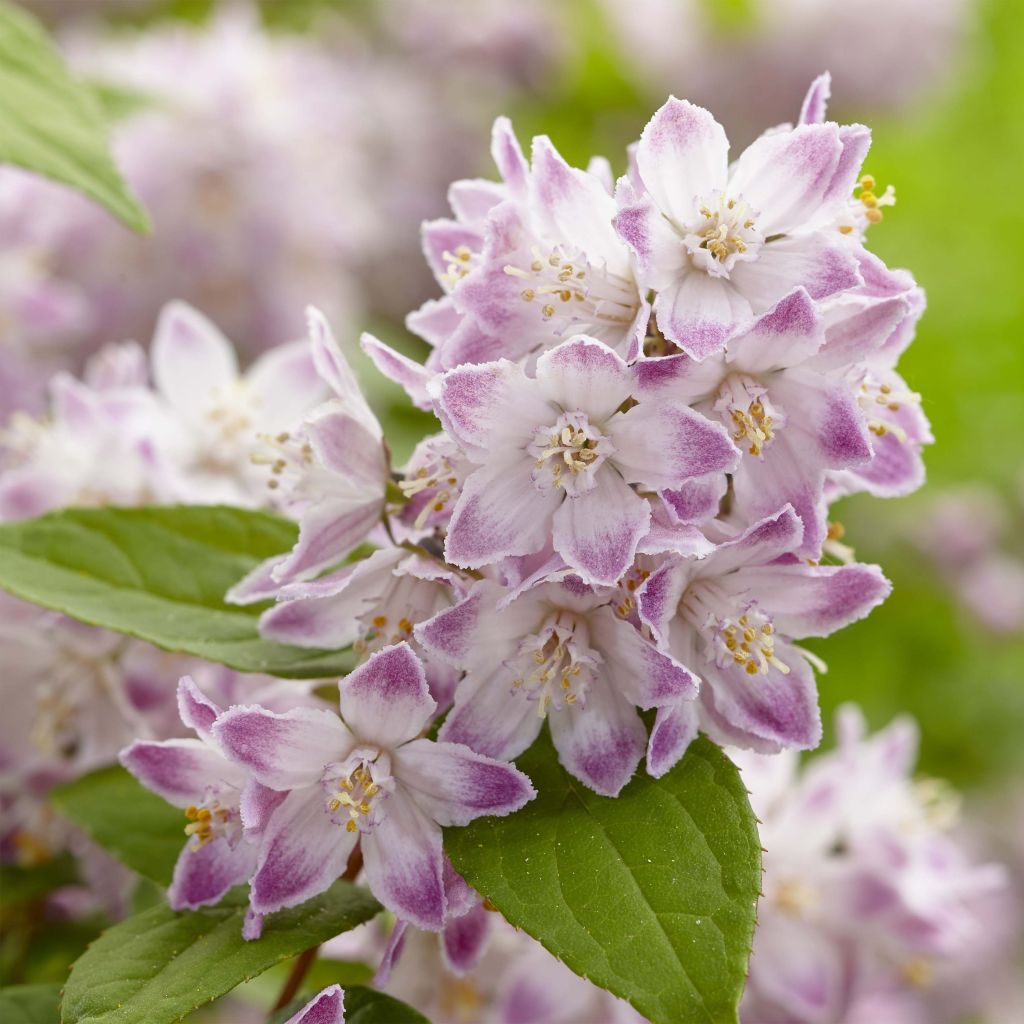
<point>815,106</point>
<point>682,155</point>
<point>597,532</point>
<point>286,384</point>
<point>602,742</point>
<point>491,718</point>
<point>195,709</point>
<point>181,771</point>
<point>584,375</point>
<point>699,312</point>
<point>675,728</point>
<point>464,940</point>
<point>790,333</point>
<point>203,875</point>
<point>404,863</point>
<point>283,751</point>
<point>453,785</point>
<point>785,175</point>
<point>500,513</point>
<point>410,375</point>
<point>302,852</point>
<point>812,600</point>
<point>645,676</point>
<point>662,443</point>
<point>386,700</point>
<point>327,1007</point>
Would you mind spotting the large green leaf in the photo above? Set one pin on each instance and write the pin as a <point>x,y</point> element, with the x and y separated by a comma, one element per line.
<point>125,818</point>
<point>159,574</point>
<point>651,895</point>
<point>30,1004</point>
<point>51,125</point>
<point>159,966</point>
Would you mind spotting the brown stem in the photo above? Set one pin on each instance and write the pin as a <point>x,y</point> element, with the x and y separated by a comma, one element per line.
<point>305,960</point>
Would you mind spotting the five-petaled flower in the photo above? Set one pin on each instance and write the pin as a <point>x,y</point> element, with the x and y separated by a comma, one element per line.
<point>369,778</point>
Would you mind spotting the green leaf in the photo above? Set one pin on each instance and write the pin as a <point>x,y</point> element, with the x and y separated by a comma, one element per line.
<point>30,1004</point>
<point>160,574</point>
<point>651,895</point>
<point>159,966</point>
<point>126,819</point>
<point>51,125</point>
<point>365,1006</point>
<point>23,885</point>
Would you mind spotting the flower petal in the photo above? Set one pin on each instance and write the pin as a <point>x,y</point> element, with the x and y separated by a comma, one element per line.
<point>453,785</point>
<point>283,751</point>
<point>675,728</point>
<point>815,105</point>
<point>784,175</point>
<point>601,743</point>
<point>191,359</point>
<point>790,333</point>
<point>682,155</point>
<point>180,771</point>
<point>410,375</point>
<point>699,312</point>
<point>491,718</point>
<point>663,443</point>
<point>697,500</point>
<point>404,863</point>
<point>500,513</point>
<point>584,375</point>
<point>285,384</point>
<point>812,600</point>
<point>203,875</point>
<point>597,532</point>
<point>386,700</point>
<point>780,709</point>
<point>301,853</point>
<point>645,676</point>
<point>490,406</point>
<point>324,1008</point>
<point>508,156</point>
<point>464,940</point>
<point>195,709</point>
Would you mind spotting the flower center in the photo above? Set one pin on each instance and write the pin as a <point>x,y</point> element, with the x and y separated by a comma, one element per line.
<point>880,400</point>
<point>287,456</point>
<point>568,454</point>
<point>745,409</point>
<point>575,293</point>
<point>356,789</point>
<point>459,264</point>
<point>746,639</point>
<point>555,665</point>
<point>432,488</point>
<point>208,821</point>
<point>725,233</point>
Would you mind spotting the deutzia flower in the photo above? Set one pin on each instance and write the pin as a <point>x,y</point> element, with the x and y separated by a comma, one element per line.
<point>332,473</point>
<point>557,651</point>
<point>721,245</point>
<point>195,775</point>
<point>868,897</point>
<point>368,779</point>
<point>732,617</point>
<point>557,455</point>
<point>793,392</point>
<point>326,1007</point>
<point>219,412</point>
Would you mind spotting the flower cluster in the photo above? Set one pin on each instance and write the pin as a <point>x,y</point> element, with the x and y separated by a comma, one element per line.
<point>184,425</point>
<point>281,800</point>
<point>871,904</point>
<point>648,391</point>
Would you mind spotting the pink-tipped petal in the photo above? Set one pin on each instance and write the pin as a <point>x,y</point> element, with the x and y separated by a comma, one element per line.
<point>454,785</point>
<point>410,375</point>
<point>404,863</point>
<point>386,701</point>
<point>675,728</point>
<point>597,533</point>
<point>601,743</point>
<point>586,375</point>
<point>699,312</point>
<point>815,106</point>
<point>180,771</point>
<point>327,1007</point>
<point>301,853</point>
<point>203,875</point>
<point>491,718</point>
<point>195,709</point>
<point>283,751</point>
<point>464,940</point>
